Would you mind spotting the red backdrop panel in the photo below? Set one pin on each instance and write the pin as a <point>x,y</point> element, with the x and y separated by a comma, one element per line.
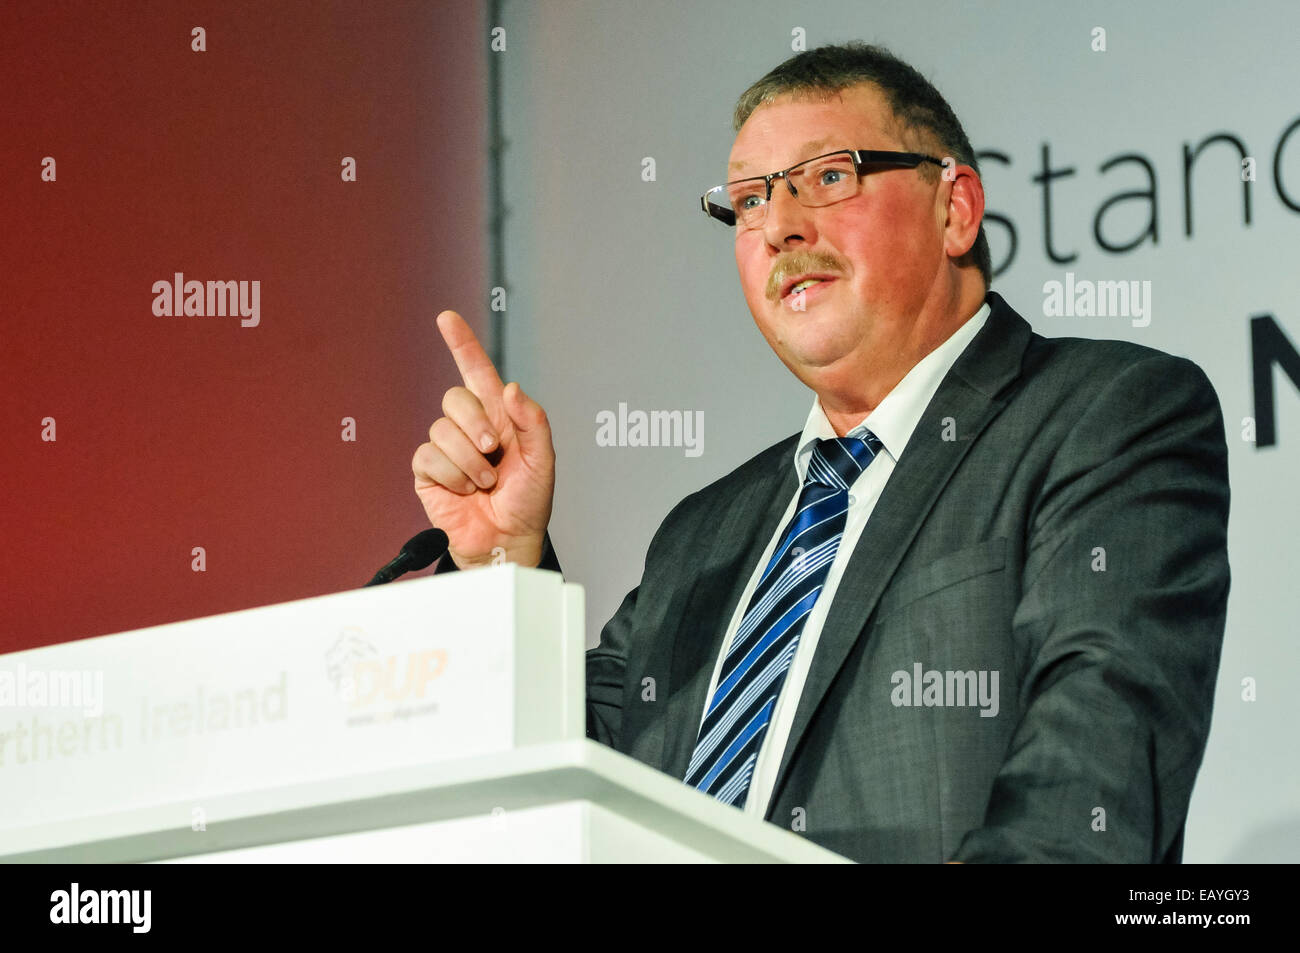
<point>187,431</point>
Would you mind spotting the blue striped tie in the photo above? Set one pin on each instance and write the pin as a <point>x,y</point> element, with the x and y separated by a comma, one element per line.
<point>755,665</point>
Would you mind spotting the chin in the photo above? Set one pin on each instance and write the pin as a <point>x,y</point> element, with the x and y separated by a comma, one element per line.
<point>803,361</point>
<point>822,345</point>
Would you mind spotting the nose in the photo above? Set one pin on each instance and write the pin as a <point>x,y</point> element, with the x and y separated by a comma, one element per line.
<point>788,222</point>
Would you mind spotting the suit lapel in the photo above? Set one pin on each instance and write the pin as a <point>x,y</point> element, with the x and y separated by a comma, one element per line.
<point>968,394</point>
<point>739,538</point>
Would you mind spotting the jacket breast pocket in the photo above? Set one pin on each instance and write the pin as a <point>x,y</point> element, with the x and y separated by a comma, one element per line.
<point>967,563</point>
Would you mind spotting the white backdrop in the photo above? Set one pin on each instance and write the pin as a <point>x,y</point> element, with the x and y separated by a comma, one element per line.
<point>621,291</point>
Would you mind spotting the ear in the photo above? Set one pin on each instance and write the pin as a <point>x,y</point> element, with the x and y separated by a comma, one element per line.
<point>965,209</point>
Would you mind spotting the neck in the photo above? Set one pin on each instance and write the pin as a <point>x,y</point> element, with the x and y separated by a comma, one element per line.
<point>846,407</point>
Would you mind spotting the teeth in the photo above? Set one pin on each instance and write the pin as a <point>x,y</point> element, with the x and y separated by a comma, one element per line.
<point>804,285</point>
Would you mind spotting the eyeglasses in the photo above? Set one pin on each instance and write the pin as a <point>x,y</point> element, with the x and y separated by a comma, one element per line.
<point>822,180</point>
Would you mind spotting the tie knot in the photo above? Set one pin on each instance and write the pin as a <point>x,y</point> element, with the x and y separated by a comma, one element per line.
<point>838,462</point>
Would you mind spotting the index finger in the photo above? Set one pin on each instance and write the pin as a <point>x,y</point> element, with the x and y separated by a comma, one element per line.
<point>476,368</point>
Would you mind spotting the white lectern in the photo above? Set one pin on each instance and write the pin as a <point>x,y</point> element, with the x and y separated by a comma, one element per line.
<point>439,719</point>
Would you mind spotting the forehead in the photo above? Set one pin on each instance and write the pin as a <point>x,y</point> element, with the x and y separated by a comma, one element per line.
<point>792,128</point>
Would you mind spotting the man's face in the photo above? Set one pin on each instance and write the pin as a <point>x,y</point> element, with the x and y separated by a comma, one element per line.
<point>884,247</point>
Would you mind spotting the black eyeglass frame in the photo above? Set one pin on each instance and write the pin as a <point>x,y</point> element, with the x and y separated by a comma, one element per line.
<point>862,158</point>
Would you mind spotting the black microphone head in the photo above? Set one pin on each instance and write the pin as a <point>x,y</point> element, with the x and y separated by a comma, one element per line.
<point>423,548</point>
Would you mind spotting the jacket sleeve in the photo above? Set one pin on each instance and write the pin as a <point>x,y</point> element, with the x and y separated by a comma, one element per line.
<point>549,560</point>
<point>606,671</point>
<point>607,662</point>
<point>1121,621</point>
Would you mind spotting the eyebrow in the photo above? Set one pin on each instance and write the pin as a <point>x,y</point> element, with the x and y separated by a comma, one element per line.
<point>806,147</point>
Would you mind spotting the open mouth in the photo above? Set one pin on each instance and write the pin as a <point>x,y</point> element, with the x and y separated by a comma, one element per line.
<point>805,286</point>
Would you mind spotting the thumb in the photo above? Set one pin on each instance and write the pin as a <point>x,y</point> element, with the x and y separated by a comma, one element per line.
<point>531,426</point>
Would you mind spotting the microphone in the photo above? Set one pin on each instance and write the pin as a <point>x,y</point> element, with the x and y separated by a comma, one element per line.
<point>420,551</point>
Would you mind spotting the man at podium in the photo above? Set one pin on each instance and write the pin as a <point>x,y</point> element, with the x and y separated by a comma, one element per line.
<point>974,611</point>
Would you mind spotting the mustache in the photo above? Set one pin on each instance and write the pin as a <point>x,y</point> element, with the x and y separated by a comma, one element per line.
<point>799,263</point>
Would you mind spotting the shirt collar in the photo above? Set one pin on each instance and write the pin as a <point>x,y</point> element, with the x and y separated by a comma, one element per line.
<point>897,415</point>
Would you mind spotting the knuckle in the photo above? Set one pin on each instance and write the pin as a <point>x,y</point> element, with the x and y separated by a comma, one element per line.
<point>457,482</point>
<point>451,398</point>
<point>442,430</point>
<point>425,463</point>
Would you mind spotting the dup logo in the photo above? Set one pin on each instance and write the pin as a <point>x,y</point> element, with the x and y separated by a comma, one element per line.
<point>365,680</point>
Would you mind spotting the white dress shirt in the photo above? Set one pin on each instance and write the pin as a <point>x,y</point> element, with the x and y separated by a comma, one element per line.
<point>893,421</point>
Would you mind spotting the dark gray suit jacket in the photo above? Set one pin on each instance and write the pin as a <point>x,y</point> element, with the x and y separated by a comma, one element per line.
<point>1059,517</point>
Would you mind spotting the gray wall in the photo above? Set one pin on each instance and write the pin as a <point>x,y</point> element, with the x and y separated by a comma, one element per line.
<point>620,290</point>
